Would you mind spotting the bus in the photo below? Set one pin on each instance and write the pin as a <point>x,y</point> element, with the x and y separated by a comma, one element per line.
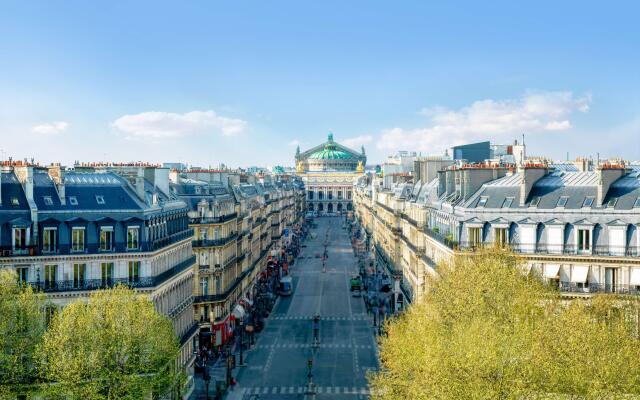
<point>286,286</point>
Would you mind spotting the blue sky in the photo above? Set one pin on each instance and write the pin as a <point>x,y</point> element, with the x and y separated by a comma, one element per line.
<point>242,83</point>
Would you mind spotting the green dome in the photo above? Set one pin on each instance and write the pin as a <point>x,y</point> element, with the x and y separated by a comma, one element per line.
<point>330,152</point>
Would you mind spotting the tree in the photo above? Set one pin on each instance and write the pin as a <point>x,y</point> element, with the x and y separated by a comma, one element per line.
<point>115,346</point>
<point>487,330</point>
<point>21,328</point>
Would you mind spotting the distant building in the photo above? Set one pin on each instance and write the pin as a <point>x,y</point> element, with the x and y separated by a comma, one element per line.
<point>472,153</point>
<point>329,172</point>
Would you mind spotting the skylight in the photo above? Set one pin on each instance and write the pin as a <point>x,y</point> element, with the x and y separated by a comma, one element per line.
<point>99,199</point>
<point>482,201</point>
<point>535,201</point>
<point>588,202</point>
<point>47,200</point>
<point>637,203</point>
<point>612,203</point>
<point>562,201</point>
<point>507,202</point>
<point>73,200</point>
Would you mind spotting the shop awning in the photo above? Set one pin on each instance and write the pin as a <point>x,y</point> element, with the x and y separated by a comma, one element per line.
<point>579,273</point>
<point>238,311</point>
<point>551,271</point>
<point>635,277</point>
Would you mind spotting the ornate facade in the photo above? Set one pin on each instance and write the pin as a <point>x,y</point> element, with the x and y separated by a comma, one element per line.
<point>329,172</point>
<point>578,229</point>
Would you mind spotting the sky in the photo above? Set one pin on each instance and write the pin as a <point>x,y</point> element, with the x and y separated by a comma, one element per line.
<point>244,83</point>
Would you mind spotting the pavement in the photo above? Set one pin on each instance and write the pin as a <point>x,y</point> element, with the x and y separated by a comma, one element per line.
<point>276,366</point>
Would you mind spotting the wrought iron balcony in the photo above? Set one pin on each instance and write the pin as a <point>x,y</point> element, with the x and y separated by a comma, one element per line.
<point>215,242</point>
<point>95,284</point>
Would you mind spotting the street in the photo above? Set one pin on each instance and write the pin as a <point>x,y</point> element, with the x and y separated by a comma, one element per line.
<point>277,365</point>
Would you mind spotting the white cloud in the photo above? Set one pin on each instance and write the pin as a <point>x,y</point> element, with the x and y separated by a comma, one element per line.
<point>534,112</point>
<point>159,125</point>
<point>50,128</point>
<point>357,141</point>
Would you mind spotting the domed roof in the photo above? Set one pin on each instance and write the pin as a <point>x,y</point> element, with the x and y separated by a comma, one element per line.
<point>330,152</point>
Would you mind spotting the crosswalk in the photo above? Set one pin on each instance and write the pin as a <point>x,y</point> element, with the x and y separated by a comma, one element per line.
<point>308,345</point>
<point>303,389</point>
<point>355,317</point>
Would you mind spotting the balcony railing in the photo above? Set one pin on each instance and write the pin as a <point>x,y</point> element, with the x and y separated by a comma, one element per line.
<point>213,220</point>
<point>95,284</point>
<point>214,242</point>
<point>450,243</point>
<point>94,248</point>
<point>570,287</point>
<point>559,249</point>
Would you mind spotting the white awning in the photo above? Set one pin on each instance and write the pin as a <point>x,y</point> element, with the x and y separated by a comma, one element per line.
<point>238,311</point>
<point>635,277</point>
<point>551,271</point>
<point>579,273</point>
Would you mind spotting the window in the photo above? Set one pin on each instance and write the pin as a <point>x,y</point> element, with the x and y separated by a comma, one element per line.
<point>133,238</point>
<point>507,202</point>
<point>203,234</point>
<point>584,239</point>
<point>637,203</point>
<point>535,201</point>
<point>134,271</point>
<point>310,194</point>
<point>73,200</point>
<point>23,274</point>
<point>482,201</point>
<point>15,201</point>
<point>475,236</point>
<point>500,236</point>
<point>612,203</point>
<point>588,202</point>
<point>106,270</point>
<point>339,194</point>
<point>49,240</point>
<point>204,285</point>
<point>330,195</point>
<point>19,238</point>
<point>106,238</point>
<point>562,201</point>
<point>348,194</point>
<point>79,273</point>
<point>100,199</point>
<point>77,239</point>
<point>50,276</point>
<point>48,201</point>
<point>320,195</point>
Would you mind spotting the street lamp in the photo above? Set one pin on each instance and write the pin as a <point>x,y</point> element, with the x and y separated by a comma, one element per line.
<point>241,342</point>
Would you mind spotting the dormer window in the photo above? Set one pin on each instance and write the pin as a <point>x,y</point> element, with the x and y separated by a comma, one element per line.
<point>73,200</point>
<point>588,202</point>
<point>562,201</point>
<point>106,238</point>
<point>507,202</point>
<point>612,203</point>
<point>535,201</point>
<point>637,203</point>
<point>48,200</point>
<point>482,201</point>
<point>100,199</point>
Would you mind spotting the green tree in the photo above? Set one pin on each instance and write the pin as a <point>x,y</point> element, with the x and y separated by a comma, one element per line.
<point>487,330</point>
<point>115,346</point>
<point>21,328</point>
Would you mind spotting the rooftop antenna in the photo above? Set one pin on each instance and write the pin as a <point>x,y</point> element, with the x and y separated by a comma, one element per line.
<point>523,139</point>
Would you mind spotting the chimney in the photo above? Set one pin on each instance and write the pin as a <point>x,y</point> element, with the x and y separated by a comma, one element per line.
<point>56,172</point>
<point>607,174</point>
<point>450,182</point>
<point>24,173</point>
<point>529,175</point>
<point>442,182</point>
<point>474,178</point>
<point>139,184</point>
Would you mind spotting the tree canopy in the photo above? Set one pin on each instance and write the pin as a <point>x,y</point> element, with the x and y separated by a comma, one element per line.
<point>487,330</point>
<point>21,328</point>
<point>115,346</point>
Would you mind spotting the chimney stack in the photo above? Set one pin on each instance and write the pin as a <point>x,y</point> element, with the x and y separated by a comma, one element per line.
<point>529,175</point>
<point>56,172</point>
<point>607,174</point>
